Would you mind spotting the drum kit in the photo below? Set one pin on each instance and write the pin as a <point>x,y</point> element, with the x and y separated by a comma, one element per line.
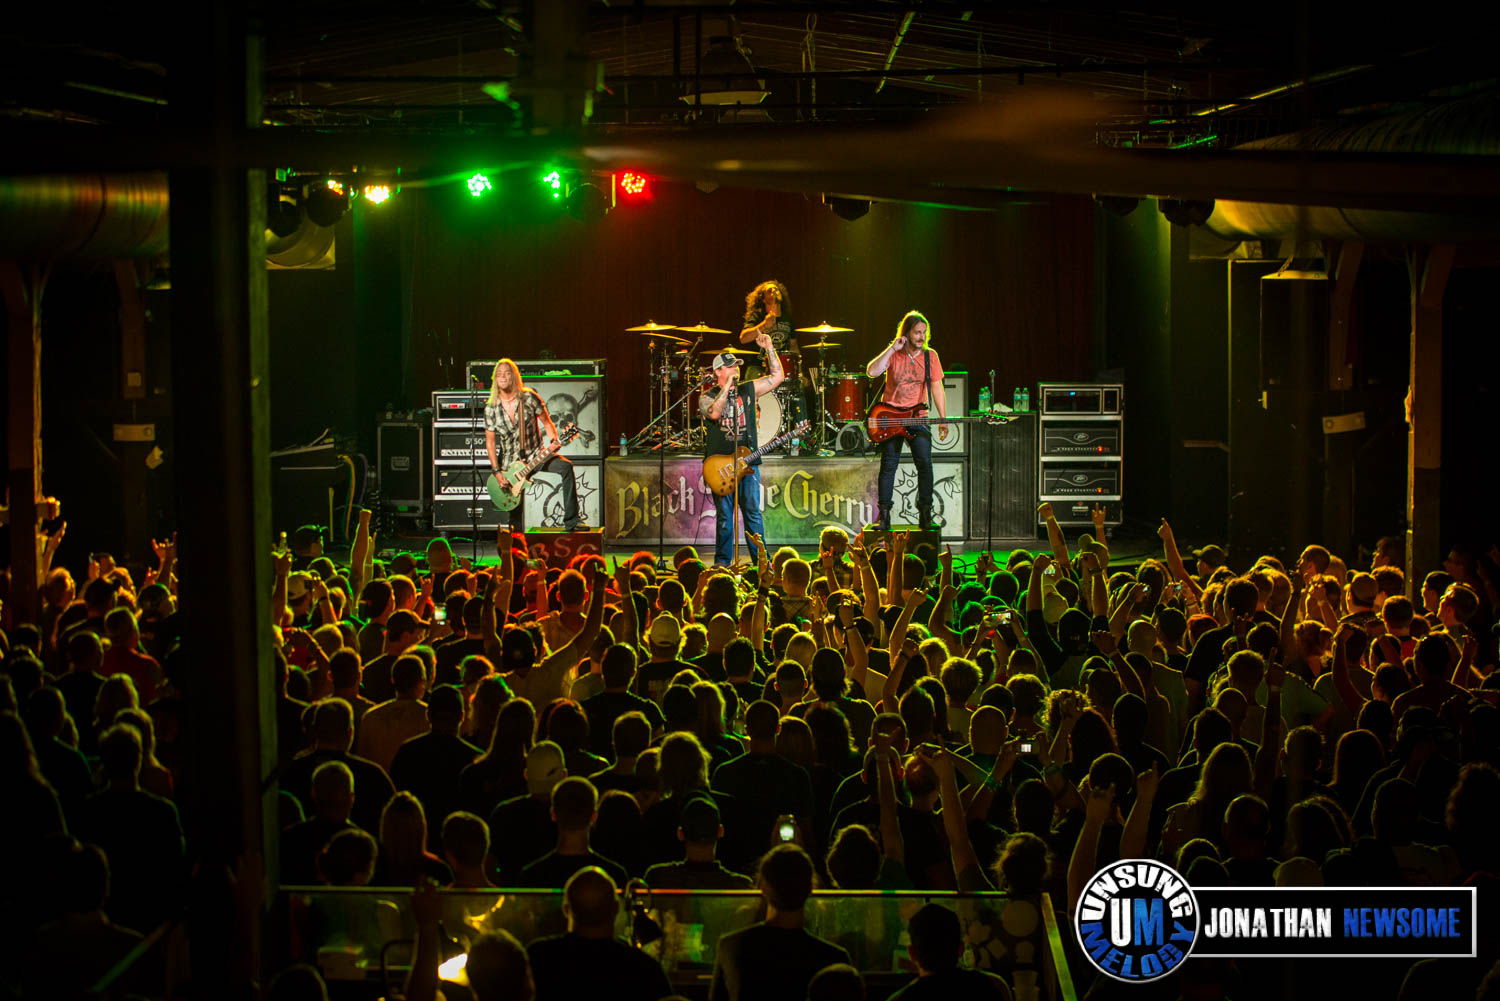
<point>680,374</point>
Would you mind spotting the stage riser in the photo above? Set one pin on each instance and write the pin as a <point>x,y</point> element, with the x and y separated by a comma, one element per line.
<point>799,498</point>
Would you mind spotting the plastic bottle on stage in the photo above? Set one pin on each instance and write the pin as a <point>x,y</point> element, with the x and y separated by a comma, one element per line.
<point>624,446</point>
<point>1015,398</point>
<point>984,399</point>
<point>1025,399</point>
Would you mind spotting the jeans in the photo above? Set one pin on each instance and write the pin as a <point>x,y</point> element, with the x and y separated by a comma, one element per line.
<point>561,467</point>
<point>750,516</point>
<point>890,458</point>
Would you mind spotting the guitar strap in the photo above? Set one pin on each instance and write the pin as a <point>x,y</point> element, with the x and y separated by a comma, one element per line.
<point>927,375</point>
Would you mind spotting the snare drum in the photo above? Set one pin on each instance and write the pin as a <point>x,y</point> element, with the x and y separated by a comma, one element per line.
<point>846,396</point>
<point>791,365</point>
<point>770,414</point>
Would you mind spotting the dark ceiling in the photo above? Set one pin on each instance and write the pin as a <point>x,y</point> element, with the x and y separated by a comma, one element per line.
<point>1160,78</point>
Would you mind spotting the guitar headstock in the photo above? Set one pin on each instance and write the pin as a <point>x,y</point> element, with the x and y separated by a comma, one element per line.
<point>802,428</point>
<point>568,432</point>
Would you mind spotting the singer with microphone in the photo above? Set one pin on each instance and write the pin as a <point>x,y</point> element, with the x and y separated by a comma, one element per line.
<point>515,423</point>
<point>729,418</point>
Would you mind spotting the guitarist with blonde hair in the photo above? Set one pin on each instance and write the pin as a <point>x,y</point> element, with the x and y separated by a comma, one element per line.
<point>729,418</point>
<point>913,373</point>
<point>515,420</point>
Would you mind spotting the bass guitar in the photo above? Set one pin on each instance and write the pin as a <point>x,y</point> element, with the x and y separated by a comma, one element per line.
<point>719,470</point>
<point>506,498</point>
<point>885,421</point>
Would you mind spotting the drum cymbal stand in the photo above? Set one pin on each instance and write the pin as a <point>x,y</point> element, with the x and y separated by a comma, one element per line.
<point>658,432</point>
<point>825,426</point>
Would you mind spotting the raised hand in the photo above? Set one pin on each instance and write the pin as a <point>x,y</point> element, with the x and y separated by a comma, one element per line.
<point>1099,804</point>
<point>1106,643</point>
<point>1163,531</point>
<point>1044,511</point>
<point>946,558</point>
<point>1146,782</point>
<point>1097,515</point>
<point>282,562</point>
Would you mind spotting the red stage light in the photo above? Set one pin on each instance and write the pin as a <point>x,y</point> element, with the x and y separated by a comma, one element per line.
<point>634,185</point>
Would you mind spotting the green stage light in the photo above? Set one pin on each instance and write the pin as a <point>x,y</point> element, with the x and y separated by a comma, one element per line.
<point>478,185</point>
<point>553,182</point>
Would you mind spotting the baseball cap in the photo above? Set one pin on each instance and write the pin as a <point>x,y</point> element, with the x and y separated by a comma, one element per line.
<point>1214,556</point>
<point>665,631</point>
<point>297,585</point>
<point>724,360</point>
<point>1363,588</point>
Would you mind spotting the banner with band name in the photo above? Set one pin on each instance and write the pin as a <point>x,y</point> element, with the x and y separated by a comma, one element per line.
<point>799,497</point>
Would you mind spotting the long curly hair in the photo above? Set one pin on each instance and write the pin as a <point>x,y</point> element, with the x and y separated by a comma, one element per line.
<point>911,319</point>
<point>755,309</point>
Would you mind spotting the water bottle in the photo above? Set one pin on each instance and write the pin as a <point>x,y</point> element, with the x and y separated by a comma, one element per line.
<point>624,447</point>
<point>1015,398</point>
<point>1025,398</point>
<point>984,399</point>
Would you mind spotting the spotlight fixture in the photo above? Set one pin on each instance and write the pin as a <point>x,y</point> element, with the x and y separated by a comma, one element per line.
<point>1117,205</point>
<point>848,209</point>
<point>479,184</point>
<point>634,184</point>
<point>552,183</point>
<point>324,205</point>
<point>1182,212</point>
<point>588,203</point>
<point>377,194</point>
<point>283,214</point>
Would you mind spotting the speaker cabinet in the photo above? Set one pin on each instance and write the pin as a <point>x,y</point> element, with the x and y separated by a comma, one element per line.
<point>458,489</point>
<point>401,454</point>
<point>1002,479</point>
<point>956,402</point>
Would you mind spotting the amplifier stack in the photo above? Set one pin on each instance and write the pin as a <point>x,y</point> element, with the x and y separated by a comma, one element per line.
<point>573,392</point>
<point>1080,450</point>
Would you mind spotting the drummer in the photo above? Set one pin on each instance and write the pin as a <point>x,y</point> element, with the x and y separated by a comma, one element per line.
<point>766,312</point>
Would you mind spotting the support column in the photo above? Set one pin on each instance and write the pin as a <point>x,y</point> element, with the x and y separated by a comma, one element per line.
<point>220,361</point>
<point>1428,269</point>
<point>21,287</point>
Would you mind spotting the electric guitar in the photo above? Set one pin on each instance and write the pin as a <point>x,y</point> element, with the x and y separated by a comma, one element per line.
<point>719,471</point>
<point>506,498</point>
<point>885,421</point>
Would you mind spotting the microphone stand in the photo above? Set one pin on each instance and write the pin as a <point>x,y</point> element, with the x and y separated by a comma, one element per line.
<point>989,486</point>
<point>734,498</point>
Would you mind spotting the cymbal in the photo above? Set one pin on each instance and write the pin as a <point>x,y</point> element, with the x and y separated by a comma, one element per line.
<point>668,337</point>
<point>819,344</point>
<point>650,327</point>
<point>702,328</point>
<point>825,328</point>
<point>728,351</point>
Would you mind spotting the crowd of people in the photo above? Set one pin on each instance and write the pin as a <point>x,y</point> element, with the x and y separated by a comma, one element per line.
<point>873,718</point>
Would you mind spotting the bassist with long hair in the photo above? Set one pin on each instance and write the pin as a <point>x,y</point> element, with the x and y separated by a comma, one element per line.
<point>913,374</point>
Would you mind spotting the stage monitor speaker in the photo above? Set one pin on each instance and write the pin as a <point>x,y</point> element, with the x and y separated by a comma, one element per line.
<point>401,455</point>
<point>1002,479</point>
<point>556,548</point>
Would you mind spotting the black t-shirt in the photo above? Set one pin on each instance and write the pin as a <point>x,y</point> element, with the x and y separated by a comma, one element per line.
<point>553,870</point>
<point>687,875</point>
<point>721,436</point>
<point>521,830</point>
<point>450,655</point>
<point>766,962</point>
<point>429,767</point>
<point>652,678</point>
<point>571,966</point>
<point>955,985</point>
<point>606,707</point>
<point>372,786</point>
<point>711,666</point>
<point>766,786</point>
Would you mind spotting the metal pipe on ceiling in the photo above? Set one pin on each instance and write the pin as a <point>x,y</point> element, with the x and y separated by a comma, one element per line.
<point>48,217</point>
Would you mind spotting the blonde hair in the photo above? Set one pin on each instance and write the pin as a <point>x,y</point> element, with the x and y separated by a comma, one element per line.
<point>495,381</point>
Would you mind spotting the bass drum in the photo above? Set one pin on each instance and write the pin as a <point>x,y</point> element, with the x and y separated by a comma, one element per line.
<point>770,415</point>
